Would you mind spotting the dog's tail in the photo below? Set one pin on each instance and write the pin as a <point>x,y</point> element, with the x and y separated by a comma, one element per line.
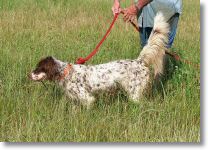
<point>154,51</point>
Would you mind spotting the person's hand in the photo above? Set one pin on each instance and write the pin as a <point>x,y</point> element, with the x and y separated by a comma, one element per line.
<point>116,8</point>
<point>130,13</point>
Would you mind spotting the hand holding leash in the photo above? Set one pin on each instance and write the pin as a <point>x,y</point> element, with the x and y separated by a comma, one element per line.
<point>130,13</point>
<point>116,9</point>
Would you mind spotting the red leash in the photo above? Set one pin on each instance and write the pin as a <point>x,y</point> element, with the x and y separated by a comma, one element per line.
<point>174,55</point>
<point>83,60</point>
<point>178,58</point>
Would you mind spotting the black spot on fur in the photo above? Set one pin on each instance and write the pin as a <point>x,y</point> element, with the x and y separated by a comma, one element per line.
<point>120,62</point>
<point>84,78</point>
<point>139,62</point>
<point>78,80</point>
<point>109,71</point>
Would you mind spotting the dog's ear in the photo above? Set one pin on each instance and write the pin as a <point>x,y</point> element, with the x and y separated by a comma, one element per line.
<point>52,69</point>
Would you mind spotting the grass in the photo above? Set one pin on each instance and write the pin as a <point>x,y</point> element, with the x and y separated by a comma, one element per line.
<point>66,29</point>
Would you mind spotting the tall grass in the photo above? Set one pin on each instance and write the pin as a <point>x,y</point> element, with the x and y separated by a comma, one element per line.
<point>66,29</point>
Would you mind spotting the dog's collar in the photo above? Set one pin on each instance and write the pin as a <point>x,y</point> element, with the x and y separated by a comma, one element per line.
<point>65,72</point>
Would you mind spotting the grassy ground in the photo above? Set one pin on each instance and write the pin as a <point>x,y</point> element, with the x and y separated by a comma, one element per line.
<point>67,29</point>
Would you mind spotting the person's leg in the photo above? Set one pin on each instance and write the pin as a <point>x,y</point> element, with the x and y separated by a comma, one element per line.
<point>144,35</point>
<point>173,21</point>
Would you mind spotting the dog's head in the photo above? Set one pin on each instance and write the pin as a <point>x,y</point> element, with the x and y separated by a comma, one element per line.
<point>46,69</point>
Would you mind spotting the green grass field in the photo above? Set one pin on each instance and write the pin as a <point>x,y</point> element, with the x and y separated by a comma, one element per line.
<point>68,29</point>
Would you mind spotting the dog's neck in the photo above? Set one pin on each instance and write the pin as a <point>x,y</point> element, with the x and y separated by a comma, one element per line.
<point>65,69</point>
<point>62,66</point>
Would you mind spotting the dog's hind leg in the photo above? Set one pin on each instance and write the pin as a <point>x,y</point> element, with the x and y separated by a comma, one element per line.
<point>135,94</point>
<point>133,90</point>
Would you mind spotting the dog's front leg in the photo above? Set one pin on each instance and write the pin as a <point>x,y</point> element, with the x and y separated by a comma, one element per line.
<point>81,95</point>
<point>86,99</point>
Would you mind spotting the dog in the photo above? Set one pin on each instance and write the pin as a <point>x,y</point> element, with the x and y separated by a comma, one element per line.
<point>81,82</point>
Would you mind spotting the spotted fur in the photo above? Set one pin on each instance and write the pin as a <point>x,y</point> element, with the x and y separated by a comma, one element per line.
<point>82,82</point>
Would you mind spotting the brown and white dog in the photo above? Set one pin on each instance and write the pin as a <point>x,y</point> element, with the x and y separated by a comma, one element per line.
<point>80,82</point>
